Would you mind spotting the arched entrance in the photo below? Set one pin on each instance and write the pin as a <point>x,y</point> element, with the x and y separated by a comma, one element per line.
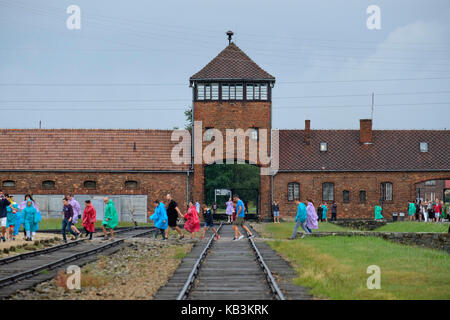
<point>241,179</point>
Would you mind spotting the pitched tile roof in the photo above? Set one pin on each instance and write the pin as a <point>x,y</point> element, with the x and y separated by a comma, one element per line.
<point>232,64</point>
<point>86,150</point>
<point>392,150</point>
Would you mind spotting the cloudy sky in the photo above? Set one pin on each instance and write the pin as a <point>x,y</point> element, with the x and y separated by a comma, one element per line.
<point>129,64</point>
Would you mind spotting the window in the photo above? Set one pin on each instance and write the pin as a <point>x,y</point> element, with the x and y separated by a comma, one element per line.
<point>323,146</point>
<point>424,147</point>
<point>48,184</point>
<point>254,133</point>
<point>249,92</point>
<point>232,93</point>
<point>9,184</point>
<point>215,91</point>
<point>89,184</point>
<point>208,92</point>
<point>346,196</point>
<point>239,92</point>
<point>131,184</point>
<point>293,191</point>
<point>362,196</point>
<point>225,92</point>
<point>386,191</point>
<point>430,183</point>
<point>207,136</point>
<point>200,92</point>
<point>328,191</point>
<point>264,92</point>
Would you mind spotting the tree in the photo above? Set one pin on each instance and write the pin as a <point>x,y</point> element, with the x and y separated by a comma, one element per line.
<point>189,119</point>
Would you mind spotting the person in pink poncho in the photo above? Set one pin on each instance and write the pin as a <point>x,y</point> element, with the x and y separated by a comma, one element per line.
<point>192,223</point>
<point>311,218</point>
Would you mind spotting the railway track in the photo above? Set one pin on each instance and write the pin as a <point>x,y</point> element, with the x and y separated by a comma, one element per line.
<point>26,270</point>
<point>223,270</point>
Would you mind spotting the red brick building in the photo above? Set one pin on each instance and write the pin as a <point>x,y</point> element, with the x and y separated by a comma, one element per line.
<point>355,168</point>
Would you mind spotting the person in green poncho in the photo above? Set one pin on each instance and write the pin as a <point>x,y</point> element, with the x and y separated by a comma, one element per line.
<point>378,214</point>
<point>411,210</point>
<point>110,219</point>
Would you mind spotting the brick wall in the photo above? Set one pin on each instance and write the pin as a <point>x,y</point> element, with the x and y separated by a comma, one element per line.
<point>154,185</point>
<point>311,187</point>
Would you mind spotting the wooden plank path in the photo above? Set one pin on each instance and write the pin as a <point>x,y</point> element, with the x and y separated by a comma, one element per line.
<point>231,271</point>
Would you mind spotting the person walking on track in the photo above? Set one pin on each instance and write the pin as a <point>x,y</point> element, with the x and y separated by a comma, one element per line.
<point>31,218</point>
<point>89,218</point>
<point>110,219</point>
<point>209,223</point>
<point>67,219</point>
<point>300,219</point>
<point>4,203</point>
<point>240,216</point>
<point>192,224</point>
<point>11,217</point>
<point>76,213</point>
<point>229,210</point>
<point>172,215</point>
<point>311,219</point>
<point>160,218</point>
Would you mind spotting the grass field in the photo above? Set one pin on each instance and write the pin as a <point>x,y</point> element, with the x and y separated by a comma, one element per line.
<point>48,224</point>
<point>335,267</point>
<point>412,226</point>
<point>284,229</point>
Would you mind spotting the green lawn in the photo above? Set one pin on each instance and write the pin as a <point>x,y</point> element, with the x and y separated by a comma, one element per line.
<point>412,226</point>
<point>285,229</point>
<point>52,223</point>
<point>335,267</point>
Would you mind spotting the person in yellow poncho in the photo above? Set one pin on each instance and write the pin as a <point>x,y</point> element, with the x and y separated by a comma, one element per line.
<point>378,214</point>
<point>110,219</point>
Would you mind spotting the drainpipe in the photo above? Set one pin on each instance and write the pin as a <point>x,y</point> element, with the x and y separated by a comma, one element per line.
<point>187,187</point>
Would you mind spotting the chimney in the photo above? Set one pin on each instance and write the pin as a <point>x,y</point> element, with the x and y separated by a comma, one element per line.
<point>307,131</point>
<point>365,131</point>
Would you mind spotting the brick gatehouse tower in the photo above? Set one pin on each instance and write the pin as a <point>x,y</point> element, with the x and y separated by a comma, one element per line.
<point>232,92</point>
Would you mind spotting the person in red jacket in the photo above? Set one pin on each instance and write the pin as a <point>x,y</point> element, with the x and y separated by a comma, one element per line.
<point>437,210</point>
<point>192,224</point>
<point>89,218</point>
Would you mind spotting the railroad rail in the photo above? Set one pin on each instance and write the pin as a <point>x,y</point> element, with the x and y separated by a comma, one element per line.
<point>18,268</point>
<point>227,270</point>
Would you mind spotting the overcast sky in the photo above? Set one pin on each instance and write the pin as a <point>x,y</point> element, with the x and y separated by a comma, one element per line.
<point>129,65</point>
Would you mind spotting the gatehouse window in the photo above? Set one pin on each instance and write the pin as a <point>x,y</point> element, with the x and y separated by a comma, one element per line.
<point>48,184</point>
<point>424,147</point>
<point>131,184</point>
<point>362,196</point>
<point>8,184</point>
<point>200,92</point>
<point>386,191</point>
<point>328,191</point>
<point>90,184</point>
<point>256,91</point>
<point>293,191</point>
<point>346,196</point>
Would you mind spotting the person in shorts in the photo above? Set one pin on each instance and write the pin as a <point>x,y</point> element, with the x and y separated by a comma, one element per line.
<point>4,203</point>
<point>172,216</point>
<point>209,223</point>
<point>276,212</point>
<point>240,222</point>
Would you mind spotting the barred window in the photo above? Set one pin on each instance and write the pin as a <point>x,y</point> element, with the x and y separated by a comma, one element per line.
<point>131,184</point>
<point>48,184</point>
<point>215,91</point>
<point>89,184</point>
<point>8,184</point>
<point>328,191</point>
<point>386,191</point>
<point>200,92</point>
<point>293,191</point>
<point>362,196</point>
<point>346,196</point>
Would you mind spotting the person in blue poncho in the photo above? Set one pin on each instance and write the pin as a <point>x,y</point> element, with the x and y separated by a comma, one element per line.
<point>31,219</point>
<point>11,215</point>
<point>160,218</point>
<point>22,206</point>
